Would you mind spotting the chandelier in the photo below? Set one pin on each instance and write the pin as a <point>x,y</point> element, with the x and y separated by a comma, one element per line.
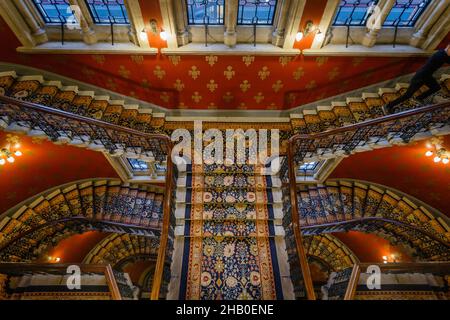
<point>436,148</point>
<point>10,150</point>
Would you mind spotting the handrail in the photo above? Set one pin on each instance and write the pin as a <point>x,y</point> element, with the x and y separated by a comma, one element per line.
<point>368,123</point>
<point>439,267</point>
<point>8,267</point>
<point>293,158</point>
<point>382,219</point>
<point>111,134</point>
<point>310,294</point>
<point>82,219</point>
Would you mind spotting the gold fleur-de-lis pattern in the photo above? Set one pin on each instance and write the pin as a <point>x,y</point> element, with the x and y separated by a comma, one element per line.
<point>194,72</point>
<point>277,86</point>
<point>228,97</point>
<point>159,72</point>
<point>229,73</point>
<point>212,76</point>
<point>124,72</point>
<point>137,59</point>
<point>211,60</point>
<point>264,73</point>
<point>284,60</point>
<point>248,60</point>
<point>178,85</point>
<point>212,85</point>
<point>298,73</point>
<point>245,85</point>
<point>196,97</point>
<point>259,97</point>
<point>175,60</point>
<point>164,97</point>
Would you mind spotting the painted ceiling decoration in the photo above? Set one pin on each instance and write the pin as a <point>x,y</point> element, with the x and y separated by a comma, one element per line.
<point>217,82</point>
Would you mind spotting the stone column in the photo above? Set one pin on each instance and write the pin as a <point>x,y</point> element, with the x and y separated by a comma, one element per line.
<point>438,31</point>
<point>181,22</point>
<point>167,12</point>
<point>370,38</point>
<point>37,32</point>
<point>294,16</point>
<point>278,34</point>
<point>16,23</point>
<point>231,10</point>
<point>87,32</point>
<point>421,34</point>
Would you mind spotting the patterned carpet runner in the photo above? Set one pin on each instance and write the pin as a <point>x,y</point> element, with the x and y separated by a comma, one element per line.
<point>229,235</point>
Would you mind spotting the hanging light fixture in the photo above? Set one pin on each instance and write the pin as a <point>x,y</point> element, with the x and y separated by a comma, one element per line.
<point>10,150</point>
<point>435,147</point>
<point>307,30</point>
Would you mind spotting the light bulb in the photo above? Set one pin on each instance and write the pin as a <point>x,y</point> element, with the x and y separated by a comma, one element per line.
<point>445,160</point>
<point>17,146</point>
<point>18,153</point>
<point>143,35</point>
<point>320,36</point>
<point>10,159</point>
<point>163,35</point>
<point>58,259</point>
<point>429,153</point>
<point>299,36</point>
<point>384,258</point>
<point>437,159</point>
<point>2,162</point>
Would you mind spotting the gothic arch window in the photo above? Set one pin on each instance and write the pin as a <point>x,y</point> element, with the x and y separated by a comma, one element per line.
<point>261,12</point>
<point>107,11</point>
<point>405,13</point>
<point>353,12</point>
<point>53,11</point>
<point>202,12</point>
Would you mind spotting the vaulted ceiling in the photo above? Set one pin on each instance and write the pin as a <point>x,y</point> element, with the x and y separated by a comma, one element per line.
<point>230,82</point>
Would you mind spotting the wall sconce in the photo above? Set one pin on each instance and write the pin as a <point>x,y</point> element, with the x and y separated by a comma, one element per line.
<point>308,29</point>
<point>435,147</point>
<point>8,152</point>
<point>153,29</point>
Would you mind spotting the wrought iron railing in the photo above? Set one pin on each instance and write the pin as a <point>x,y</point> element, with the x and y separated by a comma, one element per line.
<point>302,282</point>
<point>57,124</point>
<point>402,126</point>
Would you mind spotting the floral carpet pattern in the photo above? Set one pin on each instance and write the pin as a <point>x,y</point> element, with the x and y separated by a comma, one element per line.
<point>229,253</point>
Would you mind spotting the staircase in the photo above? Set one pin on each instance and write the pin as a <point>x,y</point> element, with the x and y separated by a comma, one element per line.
<point>106,205</point>
<point>342,205</point>
<point>229,237</point>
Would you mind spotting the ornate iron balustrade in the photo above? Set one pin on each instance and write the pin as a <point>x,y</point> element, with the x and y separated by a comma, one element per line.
<point>404,126</point>
<point>302,281</point>
<point>400,127</point>
<point>60,125</point>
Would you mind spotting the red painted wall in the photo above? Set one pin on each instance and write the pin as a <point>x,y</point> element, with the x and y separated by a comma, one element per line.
<point>370,247</point>
<point>44,165</point>
<point>404,168</point>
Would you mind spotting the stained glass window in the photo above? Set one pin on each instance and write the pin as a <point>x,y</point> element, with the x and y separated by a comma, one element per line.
<point>205,11</point>
<point>53,11</point>
<point>108,11</point>
<point>405,13</point>
<point>309,166</point>
<point>256,11</point>
<point>138,165</point>
<point>353,12</point>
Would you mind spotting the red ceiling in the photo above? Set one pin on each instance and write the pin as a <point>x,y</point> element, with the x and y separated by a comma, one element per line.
<point>152,78</point>
<point>370,247</point>
<point>44,165</point>
<point>75,248</point>
<point>404,168</point>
